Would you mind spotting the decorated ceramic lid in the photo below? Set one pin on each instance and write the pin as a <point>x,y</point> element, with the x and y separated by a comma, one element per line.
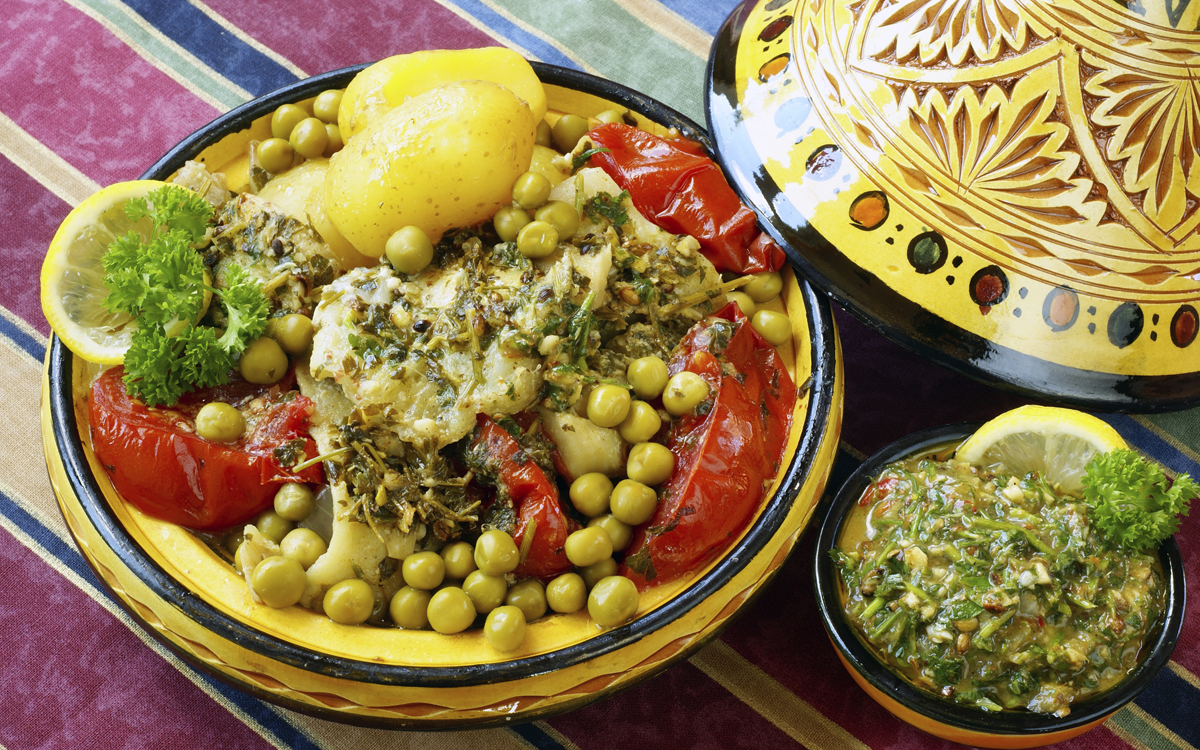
<point>1008,187</point>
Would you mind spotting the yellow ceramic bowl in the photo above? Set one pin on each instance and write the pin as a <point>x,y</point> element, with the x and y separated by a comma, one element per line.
<point>942,717</point>
<point>190,599</point>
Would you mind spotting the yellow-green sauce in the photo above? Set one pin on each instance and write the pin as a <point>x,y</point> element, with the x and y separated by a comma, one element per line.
<point>992,590</point>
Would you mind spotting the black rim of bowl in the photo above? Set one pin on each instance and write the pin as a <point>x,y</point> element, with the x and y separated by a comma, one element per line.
<point>66,432</point>
<point>945,711</point>
<point>886,310</point>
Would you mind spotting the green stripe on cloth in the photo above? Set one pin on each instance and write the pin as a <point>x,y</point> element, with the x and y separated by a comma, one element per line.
<point>1183,426</point>
<point>613,42</point>
<point>163,53</point>
<point>1137,727</point>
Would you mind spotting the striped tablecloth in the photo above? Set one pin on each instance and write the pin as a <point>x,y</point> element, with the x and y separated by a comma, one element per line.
<point>93,91</point>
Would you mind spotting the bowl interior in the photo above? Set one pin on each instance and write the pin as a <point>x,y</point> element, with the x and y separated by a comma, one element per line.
<point>179,567</point>
<point>861,657</point>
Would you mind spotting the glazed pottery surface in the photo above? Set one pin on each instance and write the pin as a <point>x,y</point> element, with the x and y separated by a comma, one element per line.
<point>1009,188</point>
<point>940,716</point>
<point>190,598</point>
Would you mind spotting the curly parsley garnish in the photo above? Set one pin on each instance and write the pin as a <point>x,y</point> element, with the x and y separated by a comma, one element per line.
<point>160,281</point>
<point>1134,505</point>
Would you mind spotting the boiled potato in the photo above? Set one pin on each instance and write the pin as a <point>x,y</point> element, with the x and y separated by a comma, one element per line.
<point>583,447</point>
<point>388,83</point>
<point>445,158</point>
<point>299,193</point>
<point>548,163</point>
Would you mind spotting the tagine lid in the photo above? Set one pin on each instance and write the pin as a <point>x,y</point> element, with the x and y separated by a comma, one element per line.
<point>1008,187</point>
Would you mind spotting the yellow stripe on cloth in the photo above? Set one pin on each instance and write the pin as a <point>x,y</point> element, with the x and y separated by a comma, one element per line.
<point>1167,437</point>
<point>669,25</point>
<point>772,701</point>
<point>1142,730</point>
<point>42,164</point>
<point>481,26</point>
<point>1184,674</point>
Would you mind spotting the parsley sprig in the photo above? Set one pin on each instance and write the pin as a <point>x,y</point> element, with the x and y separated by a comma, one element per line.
<point>160,281</point>
<point>1134,504</point>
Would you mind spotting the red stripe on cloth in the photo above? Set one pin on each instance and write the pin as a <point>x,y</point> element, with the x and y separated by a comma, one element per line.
<point>40,213</point>
<point>73,676</point>
<point>680,708</point>
<point>87,96</point>
<point>319,37</point>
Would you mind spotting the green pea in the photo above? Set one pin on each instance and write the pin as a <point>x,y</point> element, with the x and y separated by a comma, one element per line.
<point>409,608</point>
<point>567,132</point>
<point>589,494</point>
<point>650,463</point>
<point>537,239</point>
<point>293,333</point>
<point>509,221</point>
<point>601,570</point>
<point>486,591</point>
<point>409,250</point>
<point>544,136</point>
<point>273,526</point>
<point>327,104</point>
<point>684,392</point>
<point>618,531</point>
<point>588,546</point>
<point>773,326</point>
<point>496,553</point>
<point>263,362</point>
<point>349,602</point>
<point>239,558</point>
<point>743,301</point>
<point>220,423</point>
<point>764,287</point>
<point>459,559</point>
<point>560,215</point>
<point>642,423</point>
<point>278,581</point>
<point>612,115</point>
<point>504,628</point>
<point>423,570</point>
<point>530,190</point>
<point>309,138</point>
<point>608,405</point>
<point>303,545</point>
<point>334,134</point>
<point>529,597</point>
<point>451,611</point>
<point>567,593</point>
<point>633,502</point>
<point>234,539</point>
<point>613,601</point>
<point>648,376</point>
<point>274,155</point>
<point>294,501</point>
<point>285,119</point>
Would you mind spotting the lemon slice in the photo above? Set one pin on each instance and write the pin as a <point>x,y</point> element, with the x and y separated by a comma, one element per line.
<point>73,288</point>
<point>1057,443</point>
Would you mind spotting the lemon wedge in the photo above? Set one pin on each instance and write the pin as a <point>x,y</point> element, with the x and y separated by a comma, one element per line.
<point>1057,443</point>
<point>73,288</point>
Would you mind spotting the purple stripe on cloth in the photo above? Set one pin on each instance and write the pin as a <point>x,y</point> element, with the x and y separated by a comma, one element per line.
<point>86,95</point>
<point>319,37</point>
<point>74,676</point>
<point>41,212</point>
<point>680,708</point>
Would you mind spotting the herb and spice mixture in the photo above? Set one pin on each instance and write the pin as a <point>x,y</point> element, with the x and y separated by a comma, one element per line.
<point>470,365</point>
<point>1001,591</point>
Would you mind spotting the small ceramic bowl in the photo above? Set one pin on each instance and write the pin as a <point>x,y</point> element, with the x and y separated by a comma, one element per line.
<point>193,601</point>
<point>941,717</point>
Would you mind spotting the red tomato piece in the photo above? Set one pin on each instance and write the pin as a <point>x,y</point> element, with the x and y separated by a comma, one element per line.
<point>158,463</point>
<point>535,500</point>
<point>675,185</point>
<point>724,458</point>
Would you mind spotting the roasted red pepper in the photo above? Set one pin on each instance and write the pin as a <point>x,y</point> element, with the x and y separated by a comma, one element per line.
<point>675,185</point>
<point>159,463</point>
<point>535,501</point>
<point>725,454</point>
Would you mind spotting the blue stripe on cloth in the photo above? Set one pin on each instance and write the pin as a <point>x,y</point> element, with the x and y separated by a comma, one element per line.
<point>260,712</point>
<point>706,16</point>
<point>1153,445</point>
<point>23,340</point>
<point>531,43</point>
<point>214,45</point>
<point>536,736</point>
<point>1171,700</point>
